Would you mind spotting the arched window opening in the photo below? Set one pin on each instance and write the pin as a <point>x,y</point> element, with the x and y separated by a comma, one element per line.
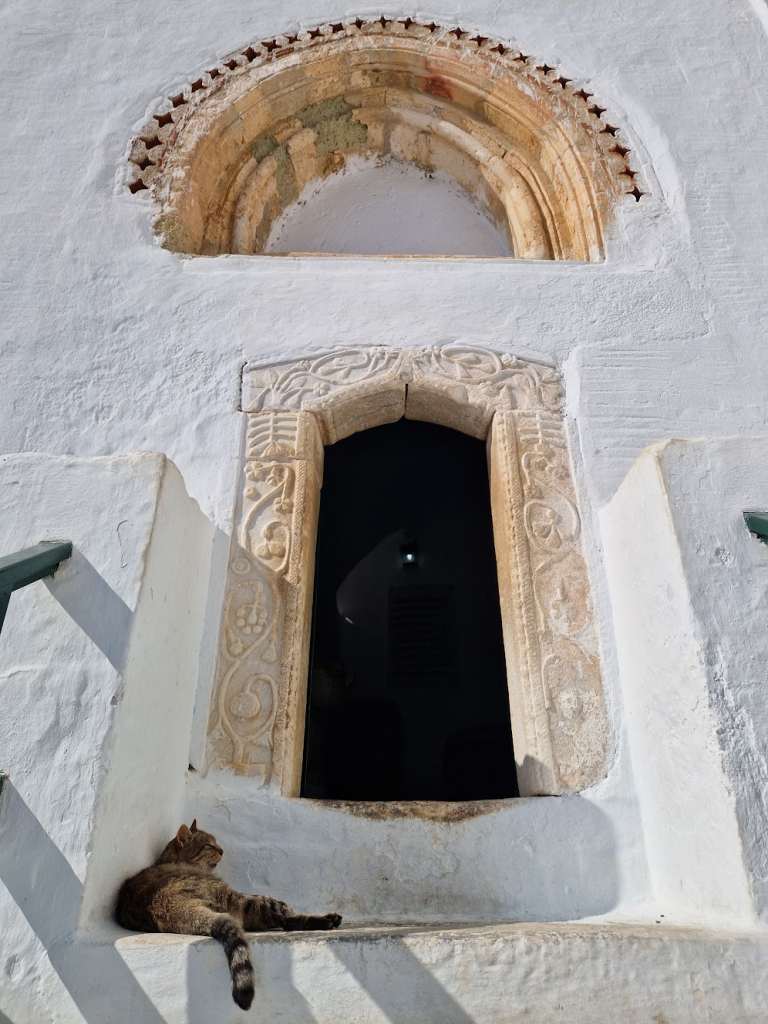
<point>407,691</point>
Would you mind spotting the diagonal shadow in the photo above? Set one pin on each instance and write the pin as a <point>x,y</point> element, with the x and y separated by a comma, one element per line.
<point>90,601</point>
<point>277,995</point>
<point>406,1002</point>
<point>48,893</point>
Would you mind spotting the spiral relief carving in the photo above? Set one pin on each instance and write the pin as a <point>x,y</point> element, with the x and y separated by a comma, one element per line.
<point>559,720</point>
<point>306,382</point>
<point>267,508</point>
<point>242,715</point>
<point>570,670</point>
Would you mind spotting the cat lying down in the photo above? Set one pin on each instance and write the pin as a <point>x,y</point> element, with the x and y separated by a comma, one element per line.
<point>180,893</point>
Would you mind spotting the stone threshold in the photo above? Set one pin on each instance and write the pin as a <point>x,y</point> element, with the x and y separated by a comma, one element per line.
<point>584,972</point>
<point>536,931</point>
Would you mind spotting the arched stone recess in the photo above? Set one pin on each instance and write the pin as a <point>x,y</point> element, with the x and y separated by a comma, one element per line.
<point>532,146</point>
<point>293,409</point>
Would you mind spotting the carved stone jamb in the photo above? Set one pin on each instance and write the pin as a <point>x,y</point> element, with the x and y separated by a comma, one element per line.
<point>558,715</point>
<point>533,749</point>
<point>264,646</point>
<point>256,725</point>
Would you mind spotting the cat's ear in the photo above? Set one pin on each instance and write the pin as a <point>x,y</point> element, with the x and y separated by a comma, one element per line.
<point>193,826</point>
<point>182,835</point>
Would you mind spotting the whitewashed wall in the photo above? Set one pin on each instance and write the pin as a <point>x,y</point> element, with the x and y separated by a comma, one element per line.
<point>109,344</point>
<point>97,668</point>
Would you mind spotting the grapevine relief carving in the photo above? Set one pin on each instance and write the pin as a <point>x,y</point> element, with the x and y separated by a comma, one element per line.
<point>474,374</point>
<point>245,702</point>
<point>559,720</point>
<point>267,508</point>
<point>306,383</point>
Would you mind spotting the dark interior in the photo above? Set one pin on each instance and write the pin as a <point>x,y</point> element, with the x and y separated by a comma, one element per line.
<point>407,689</point>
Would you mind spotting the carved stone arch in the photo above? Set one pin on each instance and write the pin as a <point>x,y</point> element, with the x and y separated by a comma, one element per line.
<point>226,153</point>
<point>293,409</point>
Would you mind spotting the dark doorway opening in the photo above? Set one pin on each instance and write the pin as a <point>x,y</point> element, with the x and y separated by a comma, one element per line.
<point>407,690</point>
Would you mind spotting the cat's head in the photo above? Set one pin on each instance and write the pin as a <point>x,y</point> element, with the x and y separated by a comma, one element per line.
<point>192,846</point>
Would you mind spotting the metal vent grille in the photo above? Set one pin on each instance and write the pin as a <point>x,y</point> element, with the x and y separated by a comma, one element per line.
<point>423,650</point>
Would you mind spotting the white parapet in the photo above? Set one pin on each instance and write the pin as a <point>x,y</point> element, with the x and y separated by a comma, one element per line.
<point>688,588</point>
<point>500,974</point>
<point>98,671</point>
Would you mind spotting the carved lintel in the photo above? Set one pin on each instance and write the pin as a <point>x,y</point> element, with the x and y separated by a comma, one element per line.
<point>310,382</point>
<point>446,403</point>
<point>472,375</point>
<point>362,406</point>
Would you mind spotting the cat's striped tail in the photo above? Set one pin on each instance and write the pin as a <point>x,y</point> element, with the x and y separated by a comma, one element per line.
<point>226,930</point>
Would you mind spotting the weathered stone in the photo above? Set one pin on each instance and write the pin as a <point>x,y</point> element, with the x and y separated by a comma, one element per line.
<point>515,139</point>
<point>558,715</point>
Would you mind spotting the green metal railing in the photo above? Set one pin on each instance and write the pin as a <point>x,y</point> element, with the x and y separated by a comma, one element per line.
<point>757,523</point>
<point>28,566</point>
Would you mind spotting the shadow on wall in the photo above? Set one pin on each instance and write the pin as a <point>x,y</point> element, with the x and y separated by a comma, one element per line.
<point>531,859</point>
<point>571,853</point>
<point>418,995</point>
<point>48,893</point>
<point>560,850</point>
<point>209,990</point>
<point>90,601</point>
<point>401,1003</point>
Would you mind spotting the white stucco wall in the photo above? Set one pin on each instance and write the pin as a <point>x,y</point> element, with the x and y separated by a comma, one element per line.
<point>689,588</point>
<point>109,344</point>
<point>131,345</point>
<point>98,674</point>
<point>710,484</point>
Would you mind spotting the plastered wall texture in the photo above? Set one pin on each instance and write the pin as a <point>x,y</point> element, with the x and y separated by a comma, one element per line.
<point>97,706</point>
<point>112,344</point>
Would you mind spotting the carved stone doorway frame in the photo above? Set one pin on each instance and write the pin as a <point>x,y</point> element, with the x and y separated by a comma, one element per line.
<point>293,409</point>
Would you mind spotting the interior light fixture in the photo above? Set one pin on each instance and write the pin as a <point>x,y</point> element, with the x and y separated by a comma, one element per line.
<point>409,554</point>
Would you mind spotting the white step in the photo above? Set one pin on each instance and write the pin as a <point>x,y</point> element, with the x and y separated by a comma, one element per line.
<point>577,973</point>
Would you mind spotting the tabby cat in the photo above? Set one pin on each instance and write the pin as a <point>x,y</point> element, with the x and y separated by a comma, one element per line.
<point>180,893</point>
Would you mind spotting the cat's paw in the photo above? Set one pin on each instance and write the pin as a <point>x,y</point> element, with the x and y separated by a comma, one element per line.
<point>332,920</point>
<point>277,908</point>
